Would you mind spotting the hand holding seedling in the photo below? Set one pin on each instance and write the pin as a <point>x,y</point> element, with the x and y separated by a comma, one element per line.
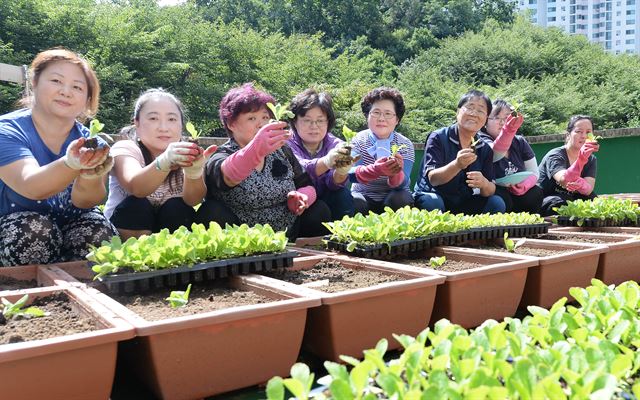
<point>591,138</point>
<point>193,132</point>
<point>196,169</point>
<point>575,170</point>
<point>512,124</point>
<point>177,154</point>
<point>269,138</point>
<point>99,171</point>
<point>475,179</point>
<point>465,157</point>
<point>79,157</point>
<point>280,112</point>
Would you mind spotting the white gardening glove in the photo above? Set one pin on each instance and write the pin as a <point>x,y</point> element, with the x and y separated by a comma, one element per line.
<point>196,169</point>
<point>177,154</point>
<point>78,157</point>
<point>330,159</point>
<point>98,171</point>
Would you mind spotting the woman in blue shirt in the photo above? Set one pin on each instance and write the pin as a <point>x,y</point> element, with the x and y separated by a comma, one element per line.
<point>50,182</point>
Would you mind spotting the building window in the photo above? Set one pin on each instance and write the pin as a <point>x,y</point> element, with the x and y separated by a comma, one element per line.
<point>631,22</point>
<point>631,2</point>
<point>631,12</point>
<point>630,31</point>
<point>630,41</point>
<point>551,19</point>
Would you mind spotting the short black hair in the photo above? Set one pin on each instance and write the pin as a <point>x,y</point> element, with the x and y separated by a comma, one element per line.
<point>476,93</point>
<point>383,93</point>
<point>310,98</point>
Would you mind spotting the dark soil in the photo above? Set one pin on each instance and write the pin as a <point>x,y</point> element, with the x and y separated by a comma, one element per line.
<point>61,321</point>
<point>448,266</point>
<point>524,250</point>
<point>212,296</point>
<point>331,276</point>
<point>7,283</point>
<point>573,238</point>
<point>91,143</point>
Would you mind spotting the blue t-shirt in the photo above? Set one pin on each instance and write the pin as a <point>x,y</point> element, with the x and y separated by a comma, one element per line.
<point>519,152</point>
<point>19,139</point>
<point>441,148</point>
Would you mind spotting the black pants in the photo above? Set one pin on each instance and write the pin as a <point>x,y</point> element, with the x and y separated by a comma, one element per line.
<point>528,202</point>
<point>308,224</point>
<point>138,214</point>
<point>396,199</point>
<point>560,199</point>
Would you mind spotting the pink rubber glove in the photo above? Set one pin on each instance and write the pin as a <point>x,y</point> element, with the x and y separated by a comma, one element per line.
<point>397,179</point>
<point>581,186</point>
<point>386,166</point>
<point>521,188</point>
<point>238,166</point>
<point>574,171</point>
<point>301,199</point>
<point>507,133</point>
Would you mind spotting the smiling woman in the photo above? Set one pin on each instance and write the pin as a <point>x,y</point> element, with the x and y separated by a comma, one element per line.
<point>50,182</point>
<point>457,168</point>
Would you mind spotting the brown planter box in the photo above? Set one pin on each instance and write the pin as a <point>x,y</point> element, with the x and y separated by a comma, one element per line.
<point>78,366</point>
<point>621,263</point>
<point>351,321</point>
<point>470,297</point>
<point>206,354</point>
<point>38,273</point>
<point>556,274</point>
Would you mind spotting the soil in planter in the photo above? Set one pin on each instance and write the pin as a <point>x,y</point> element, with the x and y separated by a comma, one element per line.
<point>62,320</point>
<point>448,266</point>
<point>206,297</point>
<point>7,283</point>
<point>331,276</point>
<point>572,238</point>
<point>522,250</point>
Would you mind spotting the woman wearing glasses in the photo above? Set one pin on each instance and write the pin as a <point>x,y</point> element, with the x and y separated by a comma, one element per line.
<point>514,163</point>
<point>381,176</point>
<point>326,158</point>
<point>254,178</point>
<point>457,167</point>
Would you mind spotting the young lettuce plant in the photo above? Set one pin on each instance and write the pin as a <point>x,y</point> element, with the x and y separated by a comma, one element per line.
<point>510,245</point>
<point>15,310</point>
<point>348,135</point>
<point>591,138</point>
<point>280,112</point>
<point>474,142</point>
<point>95,129</point>
<point>437,262</point>
<point>395,148</point>
<point>299,384</point>
<point>179,298</point>
<point>193,132</point>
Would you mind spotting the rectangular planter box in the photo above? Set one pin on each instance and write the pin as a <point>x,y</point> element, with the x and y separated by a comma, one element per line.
<point>27,273</point>
<point>627,230</point>
<point>470,297</point>
<point>78,366</point>
<point>351,321</point>
<point>215,352</point>
<point>621,263</point>
<point>556,274</point>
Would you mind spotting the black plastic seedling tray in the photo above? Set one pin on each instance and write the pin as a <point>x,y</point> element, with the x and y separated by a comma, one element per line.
<point>591,222</point>
<point>139,282</point>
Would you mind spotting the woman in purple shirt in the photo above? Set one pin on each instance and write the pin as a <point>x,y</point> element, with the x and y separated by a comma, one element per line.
<point>325,158</point>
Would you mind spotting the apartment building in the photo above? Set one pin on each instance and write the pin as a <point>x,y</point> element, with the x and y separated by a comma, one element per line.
<point>614,24</point>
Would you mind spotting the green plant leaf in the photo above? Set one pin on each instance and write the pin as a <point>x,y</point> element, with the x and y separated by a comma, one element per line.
<point>95,127</point>
<point>179,298</point>
<point>192,130</point>
<point>275,389</point>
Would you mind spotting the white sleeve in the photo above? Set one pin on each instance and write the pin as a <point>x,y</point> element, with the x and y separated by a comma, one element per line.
<point>532,165</point>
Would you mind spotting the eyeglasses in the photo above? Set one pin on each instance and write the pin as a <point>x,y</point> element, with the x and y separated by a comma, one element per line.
<point>379,114</point>
<point>474,111</point>
<point>308,123</point>
<point>500,120</point>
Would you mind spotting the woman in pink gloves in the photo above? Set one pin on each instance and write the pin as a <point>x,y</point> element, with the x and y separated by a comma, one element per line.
<point>50,182</point>
<point>157,178</point>
<point>512,155</point>
<point>254,178</point>
<point>380,178</point>
<point>569,172</point>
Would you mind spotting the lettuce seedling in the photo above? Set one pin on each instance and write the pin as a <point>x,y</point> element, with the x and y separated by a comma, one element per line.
<point>437,262</point>
<point>195,135</point>
<point>179,298</point>
<point>13,310</point>
<point>395,148</point>
<point>515,109</point>
<point>280,112</point>
<point>348,134</point>
<point>510,245</point>
<point>591,138</point>
<point>95,129</point>
<point>474,142</point>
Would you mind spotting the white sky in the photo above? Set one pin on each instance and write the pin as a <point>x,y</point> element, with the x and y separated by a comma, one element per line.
<point>170,2</point>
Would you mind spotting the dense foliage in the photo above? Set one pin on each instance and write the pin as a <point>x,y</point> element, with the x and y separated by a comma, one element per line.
<point>433,50</point>
<point>587,351</point>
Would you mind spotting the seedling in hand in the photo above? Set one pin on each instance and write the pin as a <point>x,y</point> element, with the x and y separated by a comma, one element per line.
<point>179,298</point>
<point>474,142</point>
<point>591,138</point>
<point>348,134</point>
<point>14,310</point>
<point>515,109</point>
<point>280,112</point>
<point>95,128</point>
<point>195,135</point>
<point>395,148</point>
<point>437,262</point>
<point>510,245</point>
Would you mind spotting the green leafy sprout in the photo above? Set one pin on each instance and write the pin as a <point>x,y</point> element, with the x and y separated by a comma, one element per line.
<point>280,112</point>
<point>12,310</point>
<point>510,245</point>
<point>515,108</point>
<point>395,148</point>
<point>474,142</point>
<point>95,127</point>
<point>437,262</point>
<point>192,131</point>
<point>179,298</point>
<point>593,138</point>
<point>348,134</point>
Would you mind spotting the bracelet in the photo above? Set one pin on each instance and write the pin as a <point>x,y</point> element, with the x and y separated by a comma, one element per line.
<point>157,164</point>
